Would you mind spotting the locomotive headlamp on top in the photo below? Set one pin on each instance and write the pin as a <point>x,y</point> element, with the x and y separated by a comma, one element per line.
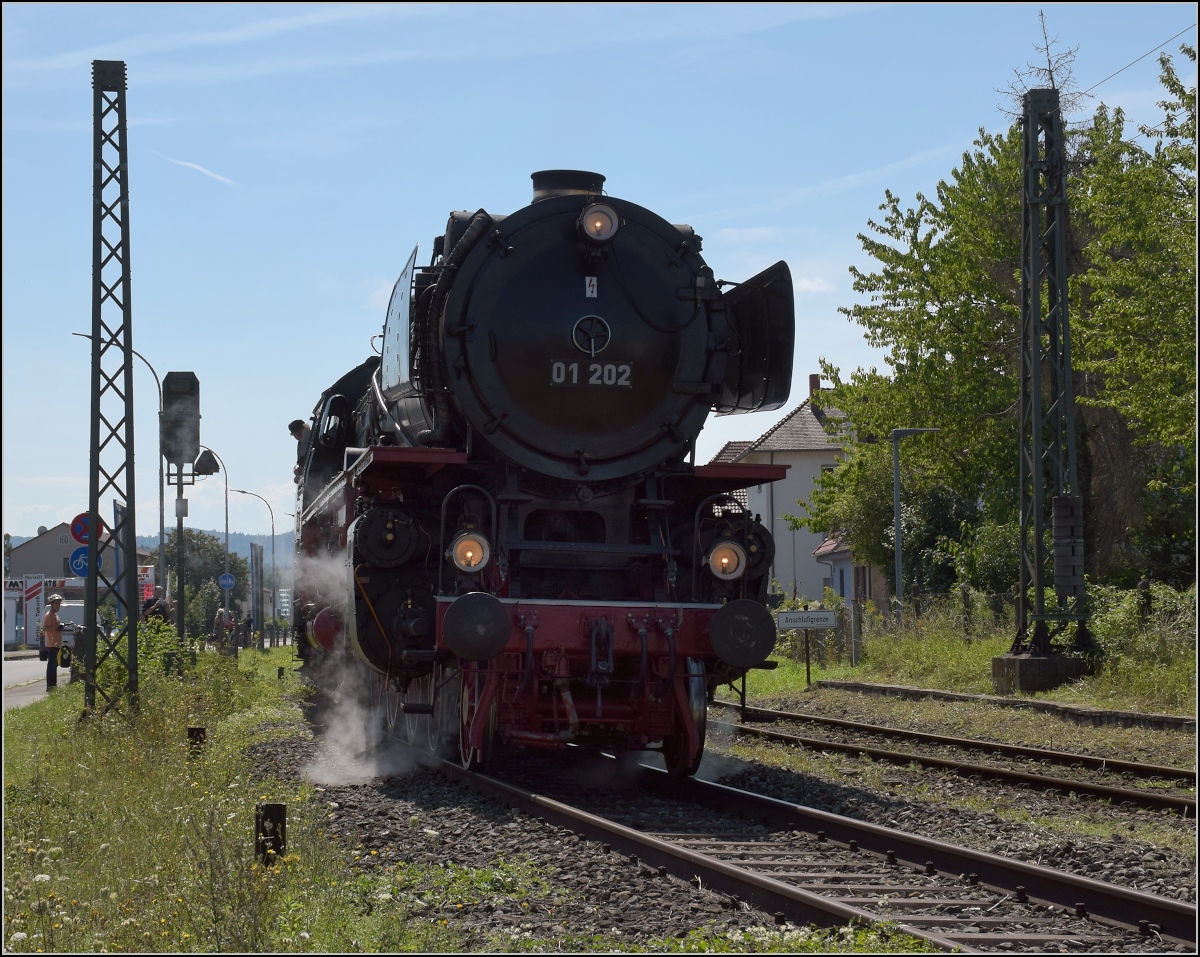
<point>470,552</point>
<point>599,223</point>
<point>727,560</point>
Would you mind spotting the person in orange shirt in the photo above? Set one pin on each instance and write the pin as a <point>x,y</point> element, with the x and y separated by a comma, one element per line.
<point>52,632</point>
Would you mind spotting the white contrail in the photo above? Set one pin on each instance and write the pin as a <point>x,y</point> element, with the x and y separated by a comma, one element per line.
<point>201,169</point>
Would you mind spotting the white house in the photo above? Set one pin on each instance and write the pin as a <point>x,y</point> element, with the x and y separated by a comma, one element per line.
<point>798,440</point>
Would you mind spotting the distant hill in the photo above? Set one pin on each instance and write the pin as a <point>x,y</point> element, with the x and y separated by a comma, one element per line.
<point>239,544</point>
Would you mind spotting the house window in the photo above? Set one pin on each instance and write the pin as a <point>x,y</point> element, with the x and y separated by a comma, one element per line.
<point>67,573</point>
<point>62,539</point>
<point>842,582</point>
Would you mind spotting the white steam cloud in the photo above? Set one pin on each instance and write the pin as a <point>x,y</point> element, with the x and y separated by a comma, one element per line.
<point>353,748</point>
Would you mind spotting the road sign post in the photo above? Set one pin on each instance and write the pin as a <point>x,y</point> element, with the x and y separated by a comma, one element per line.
<point>822,619</point>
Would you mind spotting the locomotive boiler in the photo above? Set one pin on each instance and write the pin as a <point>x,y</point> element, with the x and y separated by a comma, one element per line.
<point>500,514</point>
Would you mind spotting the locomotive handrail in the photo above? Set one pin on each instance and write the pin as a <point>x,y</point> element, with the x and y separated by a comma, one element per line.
<point>385,410</point>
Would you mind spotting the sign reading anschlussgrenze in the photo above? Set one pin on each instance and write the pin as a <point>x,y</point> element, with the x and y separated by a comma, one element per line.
<point>789,620</point>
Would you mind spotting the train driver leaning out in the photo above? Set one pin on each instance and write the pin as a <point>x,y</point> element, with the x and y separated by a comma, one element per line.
<point>301,431</point>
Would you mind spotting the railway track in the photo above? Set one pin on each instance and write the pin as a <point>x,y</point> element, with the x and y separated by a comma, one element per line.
<point>856,738</point>
<point>806,865</point>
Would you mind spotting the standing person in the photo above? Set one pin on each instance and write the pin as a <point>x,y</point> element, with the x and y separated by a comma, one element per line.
<point>301,431</point>
<point>155,606</point>
<point>52,632</point>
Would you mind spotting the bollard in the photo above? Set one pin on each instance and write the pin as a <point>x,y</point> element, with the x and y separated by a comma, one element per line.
<point>280,673</point>
<point>197,738</point>
<point>270,832</point>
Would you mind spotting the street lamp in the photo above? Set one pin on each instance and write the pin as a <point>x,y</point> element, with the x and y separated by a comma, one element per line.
<point>204,467</point>
<point>162,514</point>
<point>241,491</point>
<point>897,435</point>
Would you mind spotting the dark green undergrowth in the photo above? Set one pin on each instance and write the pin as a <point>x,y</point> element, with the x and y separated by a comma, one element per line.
<point>119,837</point>
<point>1147,662</point>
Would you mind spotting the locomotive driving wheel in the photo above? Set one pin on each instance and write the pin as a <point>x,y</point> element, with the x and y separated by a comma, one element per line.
<point>376,690</point>
<point>473,681</point>
<point>393,717</point>
<point>675,745</point>
<point>419,692</point>
<point>443,722</point>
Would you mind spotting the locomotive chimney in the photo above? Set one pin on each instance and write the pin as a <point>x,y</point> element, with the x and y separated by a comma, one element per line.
<point>564,182</point>
<point>814,384</point>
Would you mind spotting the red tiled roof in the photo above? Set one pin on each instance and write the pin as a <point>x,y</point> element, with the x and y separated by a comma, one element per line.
<point>730,452</point>
<point>831,545</point>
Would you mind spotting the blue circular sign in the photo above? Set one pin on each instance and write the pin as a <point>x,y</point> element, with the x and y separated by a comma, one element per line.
<point>79,561</point>
<point>226,581</point>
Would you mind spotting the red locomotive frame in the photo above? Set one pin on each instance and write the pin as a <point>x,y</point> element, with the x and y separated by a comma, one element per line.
<point>611,674</point>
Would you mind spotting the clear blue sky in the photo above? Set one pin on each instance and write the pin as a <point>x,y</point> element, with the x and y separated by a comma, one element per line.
<point>285,158</point>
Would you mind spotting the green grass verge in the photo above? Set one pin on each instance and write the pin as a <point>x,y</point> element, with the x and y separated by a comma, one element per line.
<point>118,837</point>
<point>1147,665</point>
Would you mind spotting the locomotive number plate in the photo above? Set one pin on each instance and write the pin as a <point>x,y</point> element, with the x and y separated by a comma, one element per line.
<point>615,374</point>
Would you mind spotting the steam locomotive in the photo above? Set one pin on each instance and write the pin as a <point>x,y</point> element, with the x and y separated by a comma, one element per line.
<point>500,513</point>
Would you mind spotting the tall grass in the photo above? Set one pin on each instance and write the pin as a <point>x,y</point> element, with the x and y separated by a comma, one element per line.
<point>118,836</point>
<point>1147,663</point>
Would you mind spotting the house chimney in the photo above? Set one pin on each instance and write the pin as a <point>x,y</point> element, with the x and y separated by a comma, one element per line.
<point>814,384</point>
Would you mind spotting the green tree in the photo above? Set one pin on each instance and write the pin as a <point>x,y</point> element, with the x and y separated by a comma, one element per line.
<point>1135,295</point>
<point>1139,287</point>
<point>942,298</point>
<point>204,563</point>
<point>943,301</point>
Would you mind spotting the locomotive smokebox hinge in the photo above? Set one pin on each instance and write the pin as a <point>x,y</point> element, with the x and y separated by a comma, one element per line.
<point>493,424</point>
<point>677,257</point>
<point>497,240</point>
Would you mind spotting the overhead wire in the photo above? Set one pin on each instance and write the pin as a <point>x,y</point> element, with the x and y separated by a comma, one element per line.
<point>1139,59</point>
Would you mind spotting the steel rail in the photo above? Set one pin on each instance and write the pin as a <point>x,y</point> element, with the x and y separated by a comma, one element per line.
<point>1014,750</point>
<point>1108,905</point>
<point>794,903</point>
<point>1144,799</point>
<point>1127,906</point>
